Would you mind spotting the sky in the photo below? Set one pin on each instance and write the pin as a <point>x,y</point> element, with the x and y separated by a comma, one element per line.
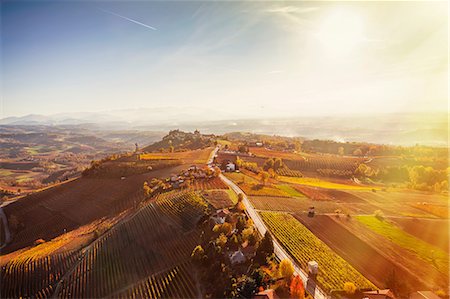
<point>255,58</point>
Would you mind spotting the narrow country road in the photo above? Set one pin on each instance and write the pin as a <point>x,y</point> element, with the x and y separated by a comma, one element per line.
<point>260,225</point>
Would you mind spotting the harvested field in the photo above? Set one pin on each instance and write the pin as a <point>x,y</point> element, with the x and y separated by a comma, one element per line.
<point>433,231</point>
<point>208,184</point>
<point>313,193</point>
<point>440,211</point>
<point>219,199</point>
<point>266,153</point>
<point>47,214</point>
<point>402,202</point>
<point>193,157</point>
<point>365,258</point>
<point>426,252</point>
<point>390,243</point>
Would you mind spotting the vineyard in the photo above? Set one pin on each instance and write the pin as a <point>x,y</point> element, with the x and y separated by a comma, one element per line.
<point>152,247</point>
<point>304,246</point>
<point>174,283</point>
<point>313,163</point>
<point>285,171</point>
<point>287,204</point>
<point>207,184</point>
<point>47,214</point>
<point>19,276</point>
<point>185,209</point>
<point>219,199</point>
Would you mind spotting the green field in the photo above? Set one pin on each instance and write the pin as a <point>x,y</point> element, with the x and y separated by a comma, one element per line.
<point>422,249</point>
<point>304,246</point>
<point>289,190</point>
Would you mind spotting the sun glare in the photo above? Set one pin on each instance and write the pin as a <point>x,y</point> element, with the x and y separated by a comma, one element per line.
<point>341,32</point>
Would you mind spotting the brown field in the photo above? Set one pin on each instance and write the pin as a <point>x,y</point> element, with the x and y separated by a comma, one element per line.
<point>366,257</point>
<point>402,202</point>
<point>189,157</point>
<point>49,213</point>
<point>259,190</point>
<point>433,231</point>
<point>219,199</point>
<point>205,184</point>
<point>313,192</point>
<point>427,275</point>
<point>148,247</point>
<point>435,209</point>
<point>266,153</point>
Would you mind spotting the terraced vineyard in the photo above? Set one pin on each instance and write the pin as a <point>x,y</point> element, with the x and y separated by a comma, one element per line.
<point>136,249</point>
<point>33,277</point>
<point>185,209</point>
<point>285,171</point>
<point>173,283</point>
<point>313,163</point>
<point>152,248</point>
<point>304,246</point>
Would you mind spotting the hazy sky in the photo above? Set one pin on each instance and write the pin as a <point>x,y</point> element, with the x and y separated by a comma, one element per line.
<point>304,58</point>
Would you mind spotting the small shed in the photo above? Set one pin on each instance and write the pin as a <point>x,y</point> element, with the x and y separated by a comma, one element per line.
<point>230,167</point>
<point>313,268</point>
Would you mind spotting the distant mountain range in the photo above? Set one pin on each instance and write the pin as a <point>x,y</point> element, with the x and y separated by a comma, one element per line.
<point>401,129</point>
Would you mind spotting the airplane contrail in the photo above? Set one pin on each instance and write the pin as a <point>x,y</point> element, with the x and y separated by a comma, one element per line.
<point>128,19</point>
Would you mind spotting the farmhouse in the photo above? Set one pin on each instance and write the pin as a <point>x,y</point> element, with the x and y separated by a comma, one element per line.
<point>237,257</point>
<point>230,167</point>
<point>220,216</point>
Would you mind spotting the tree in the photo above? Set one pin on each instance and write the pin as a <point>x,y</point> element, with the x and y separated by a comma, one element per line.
<point>357,152</point>
<point>265,249</point>
<point>147,189</point>
<point>272,173</point>
<point>349,288</point>
<point>240,197</point>
<point>241,223</point>
<point>243,149</point>
<point>264,176</point>
<point>246,233</point>
<point>286,269</point>
<point>197,254</point>
<point>379,215</point>
<point>296,288</point>
<point>222,240</point>
<point>268,164</point>
<point>277,164</point>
